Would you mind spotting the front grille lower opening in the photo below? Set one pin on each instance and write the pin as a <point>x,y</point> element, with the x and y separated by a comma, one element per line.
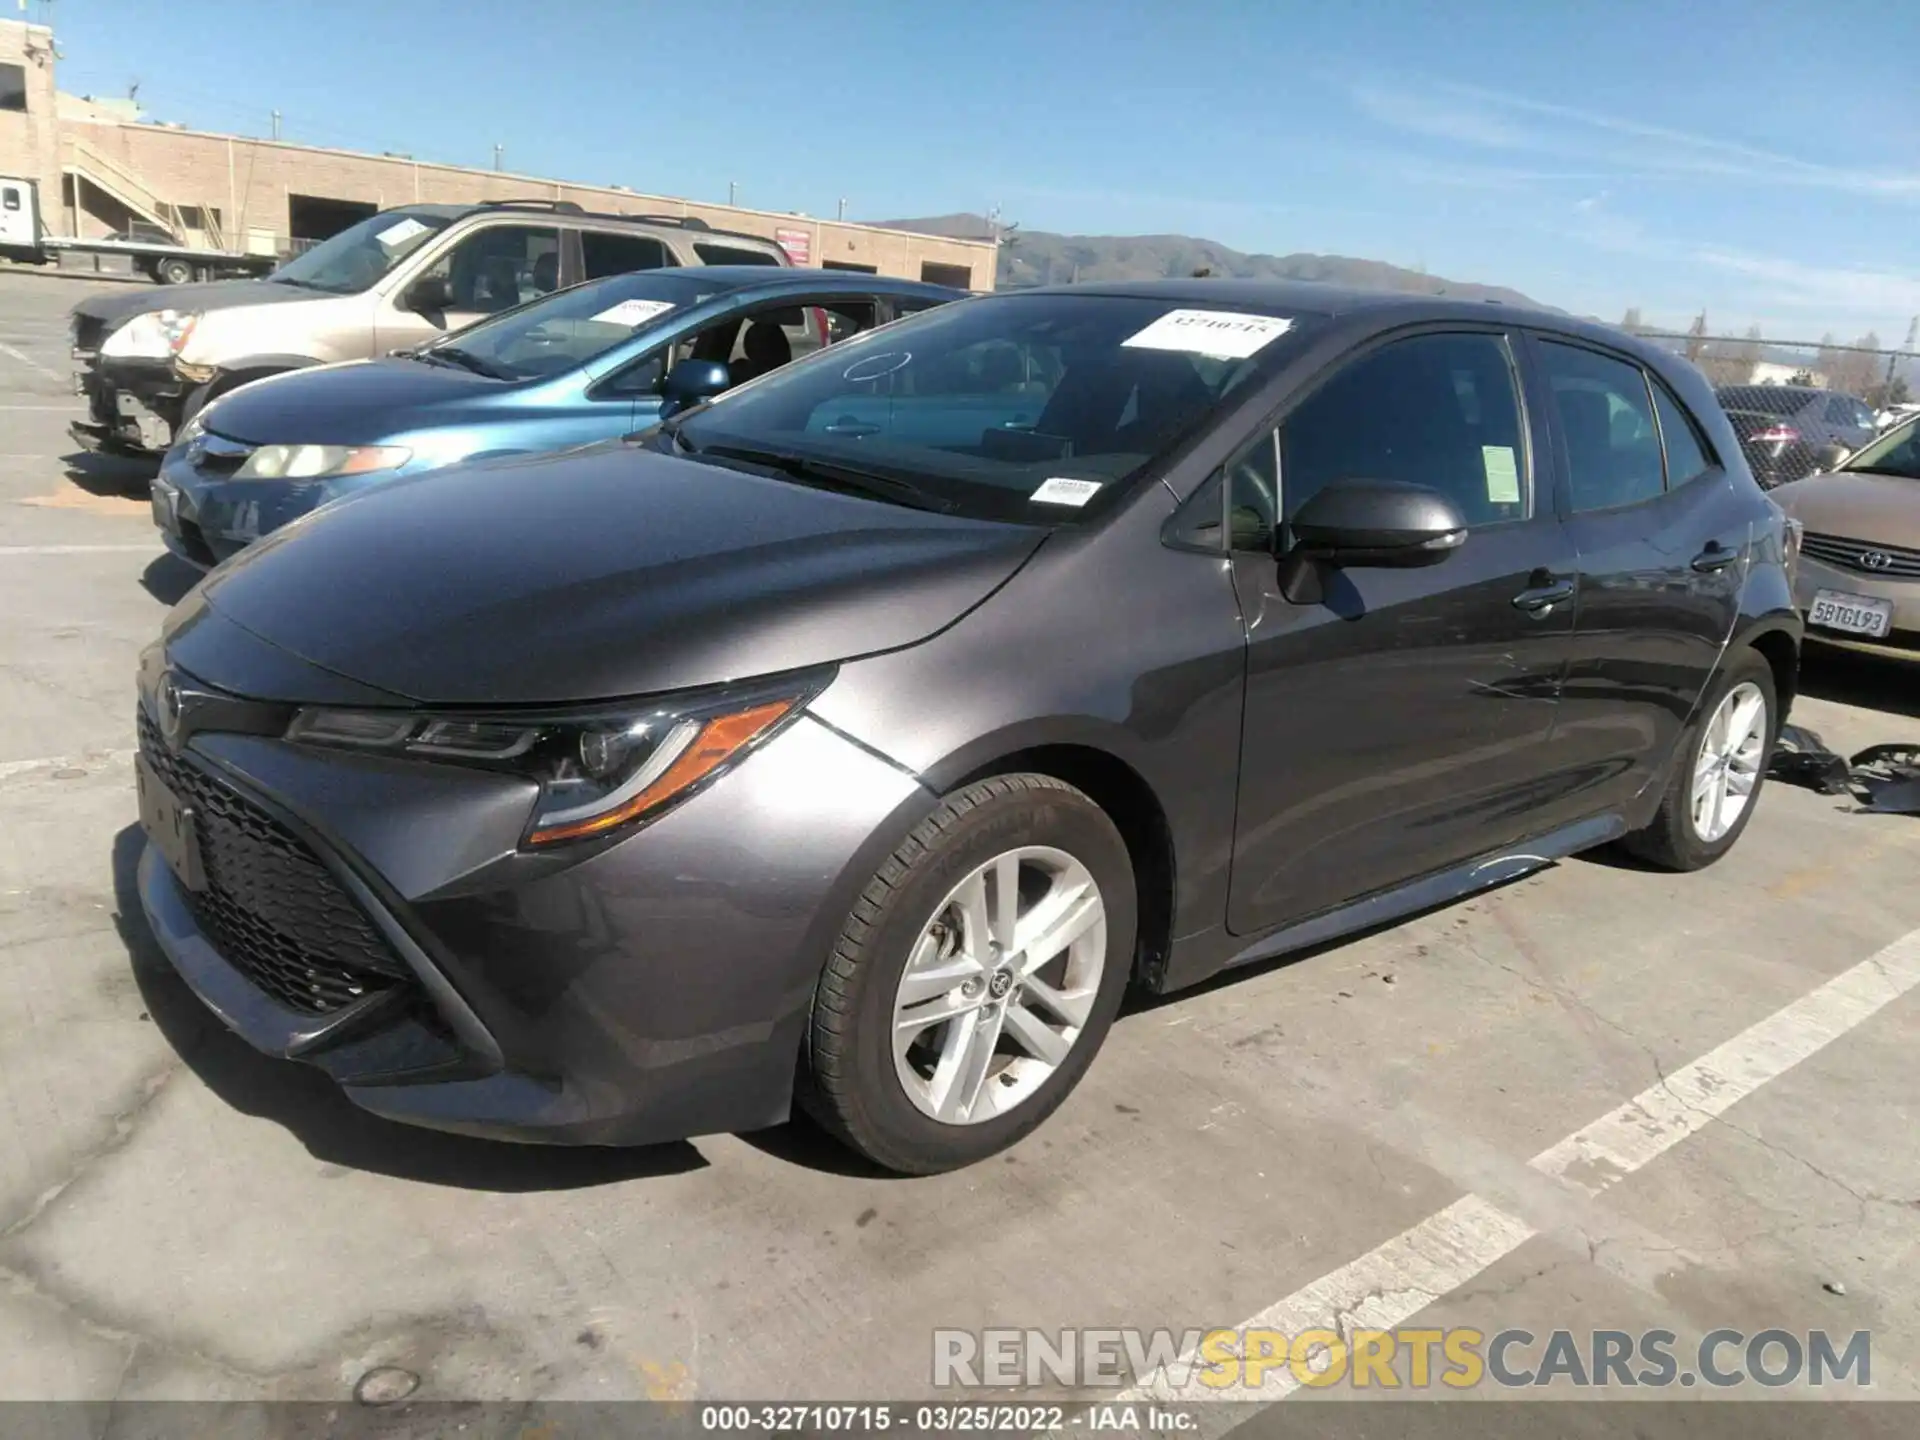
<point>271,907</point>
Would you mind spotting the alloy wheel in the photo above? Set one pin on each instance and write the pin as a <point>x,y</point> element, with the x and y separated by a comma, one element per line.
<point>999,985</point>
<point>1727,770</point>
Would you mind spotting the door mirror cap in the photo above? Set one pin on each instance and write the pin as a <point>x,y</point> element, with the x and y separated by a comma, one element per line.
<point>1831,456</point>
<point>1367,523</point>
<point>429,295</point>
<point>692,381</point>
<point>1378,523</point>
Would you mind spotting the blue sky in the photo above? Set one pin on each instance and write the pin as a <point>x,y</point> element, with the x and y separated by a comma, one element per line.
<point>1761,160</point>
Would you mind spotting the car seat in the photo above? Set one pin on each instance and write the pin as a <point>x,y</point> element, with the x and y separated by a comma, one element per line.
<point>764,349</point>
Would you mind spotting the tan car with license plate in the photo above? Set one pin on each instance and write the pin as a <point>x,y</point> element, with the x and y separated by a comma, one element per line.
<point>1858,578</point>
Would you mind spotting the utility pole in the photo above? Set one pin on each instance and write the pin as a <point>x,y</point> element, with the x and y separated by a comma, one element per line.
<point>843,208</point>
<point>498,151</point>
<point>733,190</point>
<point>276,124</point>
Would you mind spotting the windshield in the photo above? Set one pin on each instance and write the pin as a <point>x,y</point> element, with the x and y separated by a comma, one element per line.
<point>361,254</point>
<point>1895,453</point>
<point>1771,399</point>
<point>565,330</point>
<point>1035,408</point>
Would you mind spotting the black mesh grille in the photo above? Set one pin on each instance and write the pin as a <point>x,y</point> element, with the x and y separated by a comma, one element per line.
<point>270,907</point>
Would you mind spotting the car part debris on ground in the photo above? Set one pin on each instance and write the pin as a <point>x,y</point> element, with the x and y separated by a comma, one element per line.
<point>1885,779</point>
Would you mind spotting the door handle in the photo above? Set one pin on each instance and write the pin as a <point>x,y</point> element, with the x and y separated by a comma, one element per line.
<point>1715,557</point>
<point>1540,598</point>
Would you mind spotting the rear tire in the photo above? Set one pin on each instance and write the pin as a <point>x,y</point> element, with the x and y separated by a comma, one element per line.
<point>938,1098</point>
<point>175,272</point>
<point>1705,807</point>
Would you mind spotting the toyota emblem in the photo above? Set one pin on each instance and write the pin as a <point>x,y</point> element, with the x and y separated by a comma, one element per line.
<point>1876,560</point>
<point>171,711</point>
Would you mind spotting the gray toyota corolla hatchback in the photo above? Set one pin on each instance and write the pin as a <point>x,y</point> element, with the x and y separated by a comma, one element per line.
<point>861,736</point>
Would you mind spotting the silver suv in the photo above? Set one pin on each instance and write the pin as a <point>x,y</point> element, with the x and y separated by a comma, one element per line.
<point>148,360</point>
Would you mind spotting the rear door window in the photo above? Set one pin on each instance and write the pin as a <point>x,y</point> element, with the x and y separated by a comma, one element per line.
<point>1606,424</point>
<point>606,253</point>
<point>1686,452</point>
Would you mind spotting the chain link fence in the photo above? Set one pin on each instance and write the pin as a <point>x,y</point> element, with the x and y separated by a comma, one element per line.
<point>1799,406</point>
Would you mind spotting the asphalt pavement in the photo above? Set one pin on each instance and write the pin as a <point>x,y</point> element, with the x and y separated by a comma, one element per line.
<point>1599,1097</point>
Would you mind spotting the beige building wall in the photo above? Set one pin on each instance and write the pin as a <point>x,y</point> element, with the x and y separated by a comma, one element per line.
<point>30,141</point>
<point>98,169</point>
<point>247,185</point>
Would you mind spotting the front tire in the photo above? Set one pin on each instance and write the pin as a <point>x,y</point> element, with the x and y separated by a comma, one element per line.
<point>175,272</point>
<point>976,977</point>
<point>1718,773</point>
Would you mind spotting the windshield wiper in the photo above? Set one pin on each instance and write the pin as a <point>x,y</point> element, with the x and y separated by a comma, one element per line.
<point>827,475</point>
<point>304,284</point>
<point>454,355</point>
<point>1879,470</point>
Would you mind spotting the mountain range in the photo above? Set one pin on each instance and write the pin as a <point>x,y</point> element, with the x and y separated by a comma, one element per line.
<point>1040,257</point>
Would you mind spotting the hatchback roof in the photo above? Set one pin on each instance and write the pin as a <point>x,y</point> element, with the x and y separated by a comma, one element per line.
<point>1308,297</point>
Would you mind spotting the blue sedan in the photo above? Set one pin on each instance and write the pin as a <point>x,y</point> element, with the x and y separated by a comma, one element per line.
<point>585,364</point>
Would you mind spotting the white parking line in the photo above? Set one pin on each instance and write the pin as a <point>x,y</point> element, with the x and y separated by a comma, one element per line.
<point>148,549</point>
<point>1393,1282</point>
<point>28,361</point>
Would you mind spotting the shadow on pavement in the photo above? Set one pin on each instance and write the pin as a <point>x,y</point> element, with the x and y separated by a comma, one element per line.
<point>801,1142</point>
<point>313,1109</point>
<point>123,476</point>
<point>1849,678</point>
<point>168,579</point>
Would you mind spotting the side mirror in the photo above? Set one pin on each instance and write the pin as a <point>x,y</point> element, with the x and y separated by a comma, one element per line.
<point>429,295</point>
<point>692,381</point>
<point>1830,456</point>
<point>1368,523</point>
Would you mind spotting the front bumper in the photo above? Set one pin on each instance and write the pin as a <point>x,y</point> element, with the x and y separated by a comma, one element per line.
<point>648,990</point>
<point>1902,642</point>
<point>206,518</point>
<point>133,406</point>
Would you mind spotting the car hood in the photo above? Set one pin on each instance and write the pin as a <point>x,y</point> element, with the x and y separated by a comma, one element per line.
<point>115,309</point>
<point>358,402</point>
<point>1884,509</point>
<point>604,572</point>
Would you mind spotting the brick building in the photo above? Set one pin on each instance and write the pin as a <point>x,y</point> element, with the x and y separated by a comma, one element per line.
<point>100,168</point>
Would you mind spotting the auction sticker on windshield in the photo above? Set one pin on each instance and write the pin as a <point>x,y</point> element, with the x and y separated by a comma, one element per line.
<point>401,233</point>
<point>633,312</point>
<point>1062,491</point>
<point>1223,334</point>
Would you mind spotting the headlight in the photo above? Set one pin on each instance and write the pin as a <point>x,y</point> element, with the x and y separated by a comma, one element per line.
<point>154,335</point>
<point>318,462</point>
<point>599,771</point>
<point>192,430</point>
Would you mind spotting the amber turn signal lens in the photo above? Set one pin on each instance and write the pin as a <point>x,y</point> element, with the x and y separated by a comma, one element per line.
<point>719,740</point>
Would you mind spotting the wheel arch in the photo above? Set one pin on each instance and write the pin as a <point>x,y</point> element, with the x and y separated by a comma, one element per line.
<point>1776,639</point>
<point>1119,789</point>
